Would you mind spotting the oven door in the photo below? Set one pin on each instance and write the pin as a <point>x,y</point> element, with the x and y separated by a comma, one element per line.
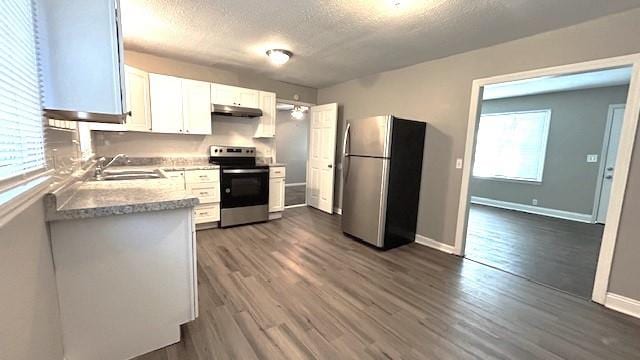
<point>244,187</point>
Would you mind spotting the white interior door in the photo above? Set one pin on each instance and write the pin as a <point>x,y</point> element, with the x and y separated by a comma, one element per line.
<point>616,116</point>
<point>322,153</point>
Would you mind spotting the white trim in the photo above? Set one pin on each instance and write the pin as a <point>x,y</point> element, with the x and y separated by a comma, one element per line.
<point>560,214</point>
<point>623,162</point>
<point>26,197</point>
<point>603,157</point>
<point>296,184</point>
<point>337,210</point>
<point>425,241</point>
<point>294,102</point>
<point>295,206</point>
<point>623,304</point>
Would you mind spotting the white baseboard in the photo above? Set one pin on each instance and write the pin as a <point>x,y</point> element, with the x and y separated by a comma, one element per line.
<point>295,206</point>
<point>422,240</point>
<point>560,214</point>
<point>295,184</point>
<point>623,304</point>
<point>337,210</point>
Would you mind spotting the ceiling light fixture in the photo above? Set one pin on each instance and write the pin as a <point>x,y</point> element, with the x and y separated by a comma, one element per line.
<point>297,112</point>
<point>279,56</point>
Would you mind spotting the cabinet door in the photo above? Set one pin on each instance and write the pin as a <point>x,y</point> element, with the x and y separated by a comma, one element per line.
<point>138,102</point>
<point>267,125</point>
<point>224,94</point>
<point>196,107</point>
<point>82,55</point>
<point>248,98</point>
<point>166,103</point>
<point>276,195</point>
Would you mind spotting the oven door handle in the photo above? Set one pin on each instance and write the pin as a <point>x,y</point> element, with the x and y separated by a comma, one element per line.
<point>245,171</point>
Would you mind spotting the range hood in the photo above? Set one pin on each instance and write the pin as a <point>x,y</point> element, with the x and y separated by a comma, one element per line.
<point>238,111</point>
<point>72,115</point>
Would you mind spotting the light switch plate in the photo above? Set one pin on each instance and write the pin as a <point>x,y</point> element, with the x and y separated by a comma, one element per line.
<point>592,158</point>
<point>458,163</point>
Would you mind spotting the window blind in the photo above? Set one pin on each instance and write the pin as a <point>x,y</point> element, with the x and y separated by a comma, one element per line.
<point>21,121</point>
<point>512,145</point>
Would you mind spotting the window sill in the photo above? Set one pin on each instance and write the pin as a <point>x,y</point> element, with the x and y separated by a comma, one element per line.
<point>18,198</point>
<point>516,181</point>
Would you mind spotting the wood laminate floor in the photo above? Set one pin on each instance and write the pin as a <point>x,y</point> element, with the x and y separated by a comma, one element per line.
<point>295,195</point>
<point>555,252</point>
<point>296,288</point>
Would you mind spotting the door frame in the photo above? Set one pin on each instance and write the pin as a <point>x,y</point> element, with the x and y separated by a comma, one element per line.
<point>623,161</point>
<point>603,156</point>
<point>275,152</point>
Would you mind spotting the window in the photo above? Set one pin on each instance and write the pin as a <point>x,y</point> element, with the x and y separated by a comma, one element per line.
<point>21,120</point>
<point>512,145</point>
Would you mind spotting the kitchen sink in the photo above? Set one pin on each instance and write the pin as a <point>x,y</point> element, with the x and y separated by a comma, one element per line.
<point>114,175</point>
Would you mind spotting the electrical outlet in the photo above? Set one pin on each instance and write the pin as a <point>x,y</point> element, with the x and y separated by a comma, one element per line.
<point>458,163</point>
<point>534,202</point>
<point>592,158</point>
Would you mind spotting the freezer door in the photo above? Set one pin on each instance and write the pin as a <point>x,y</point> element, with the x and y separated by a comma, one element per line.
<point>364,198</point>
<point>369,136</point>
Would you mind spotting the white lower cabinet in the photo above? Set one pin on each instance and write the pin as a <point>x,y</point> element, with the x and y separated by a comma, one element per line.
<point>106,311</point>
<point>276,195</point>
<point>276,189</point>
<point>204,184</point>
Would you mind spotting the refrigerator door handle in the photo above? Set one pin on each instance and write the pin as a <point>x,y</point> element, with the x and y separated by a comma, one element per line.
<point>344,143</point>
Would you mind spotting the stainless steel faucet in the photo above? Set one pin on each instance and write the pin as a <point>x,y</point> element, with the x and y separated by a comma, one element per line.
<point>101,167</point>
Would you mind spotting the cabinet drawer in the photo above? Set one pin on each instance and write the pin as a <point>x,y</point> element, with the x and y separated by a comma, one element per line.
<point>202,176</point>
<point>207,194</point>
<point>206,213</point>
<point>277,172</point>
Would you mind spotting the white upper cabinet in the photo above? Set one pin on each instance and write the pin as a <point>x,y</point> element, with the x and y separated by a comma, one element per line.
<point>82,55</point>
<point>267,124</point>
<point>223,94</point>
<point>180,106</point>
<point>166,103</point>
<point>249,98</point>
<point>138,100</point>
<point>196,106</point>
<point>234,96</point>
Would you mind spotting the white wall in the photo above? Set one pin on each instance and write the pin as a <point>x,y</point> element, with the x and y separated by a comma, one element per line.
<point>30,326</point>
<point>226,131</point>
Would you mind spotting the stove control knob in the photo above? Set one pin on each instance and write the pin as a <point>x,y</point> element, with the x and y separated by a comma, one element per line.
<point>227,190</point>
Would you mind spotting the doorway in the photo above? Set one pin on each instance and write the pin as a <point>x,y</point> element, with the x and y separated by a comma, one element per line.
<point>292,149</point>
<point>512,149</point>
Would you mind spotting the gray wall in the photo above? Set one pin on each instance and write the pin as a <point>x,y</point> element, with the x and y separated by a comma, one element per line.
<point>30,327</point>
<point>292,145</point>
<point>577,127</point>
<point>439,92</point>
<point>226,131</point>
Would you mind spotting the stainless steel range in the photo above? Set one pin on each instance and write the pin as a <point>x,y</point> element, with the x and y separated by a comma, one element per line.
<point>244,190</point>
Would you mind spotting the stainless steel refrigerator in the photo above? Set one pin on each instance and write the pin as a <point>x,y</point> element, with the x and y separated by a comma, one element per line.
<point>381,171</point>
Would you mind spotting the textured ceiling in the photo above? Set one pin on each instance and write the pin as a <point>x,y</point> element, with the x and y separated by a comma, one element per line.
<point>339,40</point>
